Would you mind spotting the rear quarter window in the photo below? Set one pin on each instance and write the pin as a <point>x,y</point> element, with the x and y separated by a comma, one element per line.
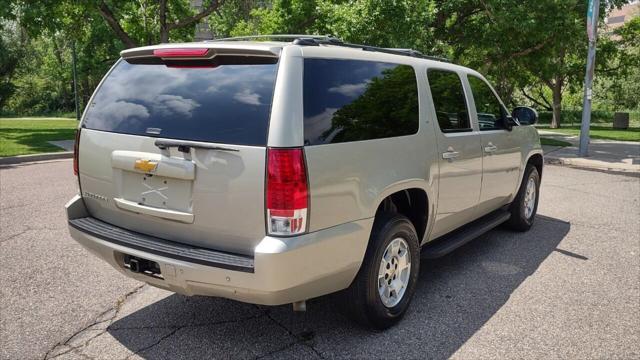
<point>354,100</point>
<point>227,103</point>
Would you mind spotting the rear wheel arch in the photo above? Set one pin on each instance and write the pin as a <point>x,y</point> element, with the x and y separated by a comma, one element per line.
<point>411,202</point>
<point>394,202</point>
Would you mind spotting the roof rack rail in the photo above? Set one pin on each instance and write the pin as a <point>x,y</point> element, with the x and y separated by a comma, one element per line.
<point>417,53</point>
<point>291,37</point>
<point>317,40</point>
<point>394,51</point>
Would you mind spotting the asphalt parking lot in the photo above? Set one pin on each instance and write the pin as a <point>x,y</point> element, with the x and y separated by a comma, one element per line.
<point>569,288</point>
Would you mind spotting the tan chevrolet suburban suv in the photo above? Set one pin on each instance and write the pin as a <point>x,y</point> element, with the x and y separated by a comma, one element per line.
<point>272,172</point>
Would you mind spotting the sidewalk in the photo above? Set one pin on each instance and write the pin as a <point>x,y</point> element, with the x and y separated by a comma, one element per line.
<point>607,155</point>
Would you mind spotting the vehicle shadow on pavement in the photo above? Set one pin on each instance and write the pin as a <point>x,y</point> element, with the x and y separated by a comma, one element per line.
<point>456,296</point>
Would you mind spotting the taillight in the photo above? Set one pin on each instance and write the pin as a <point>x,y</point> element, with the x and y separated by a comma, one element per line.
<point>76,147</point>
<point>180,52</point>
<point>287,192</point>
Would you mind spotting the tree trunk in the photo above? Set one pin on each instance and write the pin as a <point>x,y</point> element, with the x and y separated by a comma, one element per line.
<point>85,93</point>
<point>164,29</point>
<point>110,18</point>
<point>557,103</point>
<point>64,94</point>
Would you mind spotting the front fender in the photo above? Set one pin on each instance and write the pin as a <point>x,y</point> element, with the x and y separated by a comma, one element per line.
<point>530,140</point>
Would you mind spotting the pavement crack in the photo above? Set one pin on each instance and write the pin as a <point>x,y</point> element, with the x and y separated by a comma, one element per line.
<point>221,322</point>
<point>171,333</point>
<point>125,297</point>
<point>175,329</point>
<point>283,348</point>
<point>300,338</point>
<point>100,319</point>
<point>15,235</point>
<point>28,229</point>
<point>13,207</point>
<point>111,314</point>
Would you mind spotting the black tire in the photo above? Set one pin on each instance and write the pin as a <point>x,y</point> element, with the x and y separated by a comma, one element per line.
<point>361,300</point>
<point>519,220</point>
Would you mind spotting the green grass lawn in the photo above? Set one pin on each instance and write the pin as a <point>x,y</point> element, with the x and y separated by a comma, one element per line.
<point>21,136</point>
<point>600,132</point>
<point>598,118</point>
<point>553,142</point>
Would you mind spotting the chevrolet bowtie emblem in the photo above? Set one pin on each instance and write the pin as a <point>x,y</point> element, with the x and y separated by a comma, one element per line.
<point>145,165</point>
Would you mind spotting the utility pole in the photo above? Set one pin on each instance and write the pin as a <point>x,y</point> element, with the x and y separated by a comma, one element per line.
<point>592,33</point>
<point>75,79</point>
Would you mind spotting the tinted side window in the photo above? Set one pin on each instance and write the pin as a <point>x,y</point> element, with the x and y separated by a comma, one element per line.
<point>488,107</point>
<point>449,101</point>
<point>352,100</point>
<point>229,103</point>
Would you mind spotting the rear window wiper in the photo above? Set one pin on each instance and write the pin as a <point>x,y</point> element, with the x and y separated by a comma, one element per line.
<point>185,146</point>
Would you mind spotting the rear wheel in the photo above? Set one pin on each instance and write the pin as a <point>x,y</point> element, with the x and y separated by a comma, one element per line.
<point>381,292</point>
<point>524,207</point>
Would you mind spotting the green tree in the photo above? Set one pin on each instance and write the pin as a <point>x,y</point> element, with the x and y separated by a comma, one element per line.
<point>374,22</point>
<point>10,55</point>
<point>537,47</point>
<point>99,28</point>
<point>134,23</point>
<point>618,86</point>
<point>43,75</point>
<point>530,50</point>
<point>231,14</point>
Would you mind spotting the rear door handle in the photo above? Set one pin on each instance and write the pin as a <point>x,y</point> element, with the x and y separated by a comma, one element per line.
<point>490,148</point>
<point>450,155</point>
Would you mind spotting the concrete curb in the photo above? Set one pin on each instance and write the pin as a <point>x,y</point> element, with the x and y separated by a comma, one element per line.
<point>580,164</point>
<point>11,160</point>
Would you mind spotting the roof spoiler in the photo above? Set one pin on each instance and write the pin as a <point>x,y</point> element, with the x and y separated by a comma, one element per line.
<point>199,51</point>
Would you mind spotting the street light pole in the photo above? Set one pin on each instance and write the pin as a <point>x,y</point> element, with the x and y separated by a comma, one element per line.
<point>592,32</point>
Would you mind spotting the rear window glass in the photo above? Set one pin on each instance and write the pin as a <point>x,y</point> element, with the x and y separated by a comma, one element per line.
<point>225,104</point>
<point>352,100</point>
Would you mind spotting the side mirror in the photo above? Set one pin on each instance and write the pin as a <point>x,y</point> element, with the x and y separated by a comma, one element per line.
<point>525,115</point>
<point>507,122</point>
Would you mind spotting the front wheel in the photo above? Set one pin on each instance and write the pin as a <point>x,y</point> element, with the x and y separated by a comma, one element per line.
<point>381,292</point>
<point>524,207</point>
